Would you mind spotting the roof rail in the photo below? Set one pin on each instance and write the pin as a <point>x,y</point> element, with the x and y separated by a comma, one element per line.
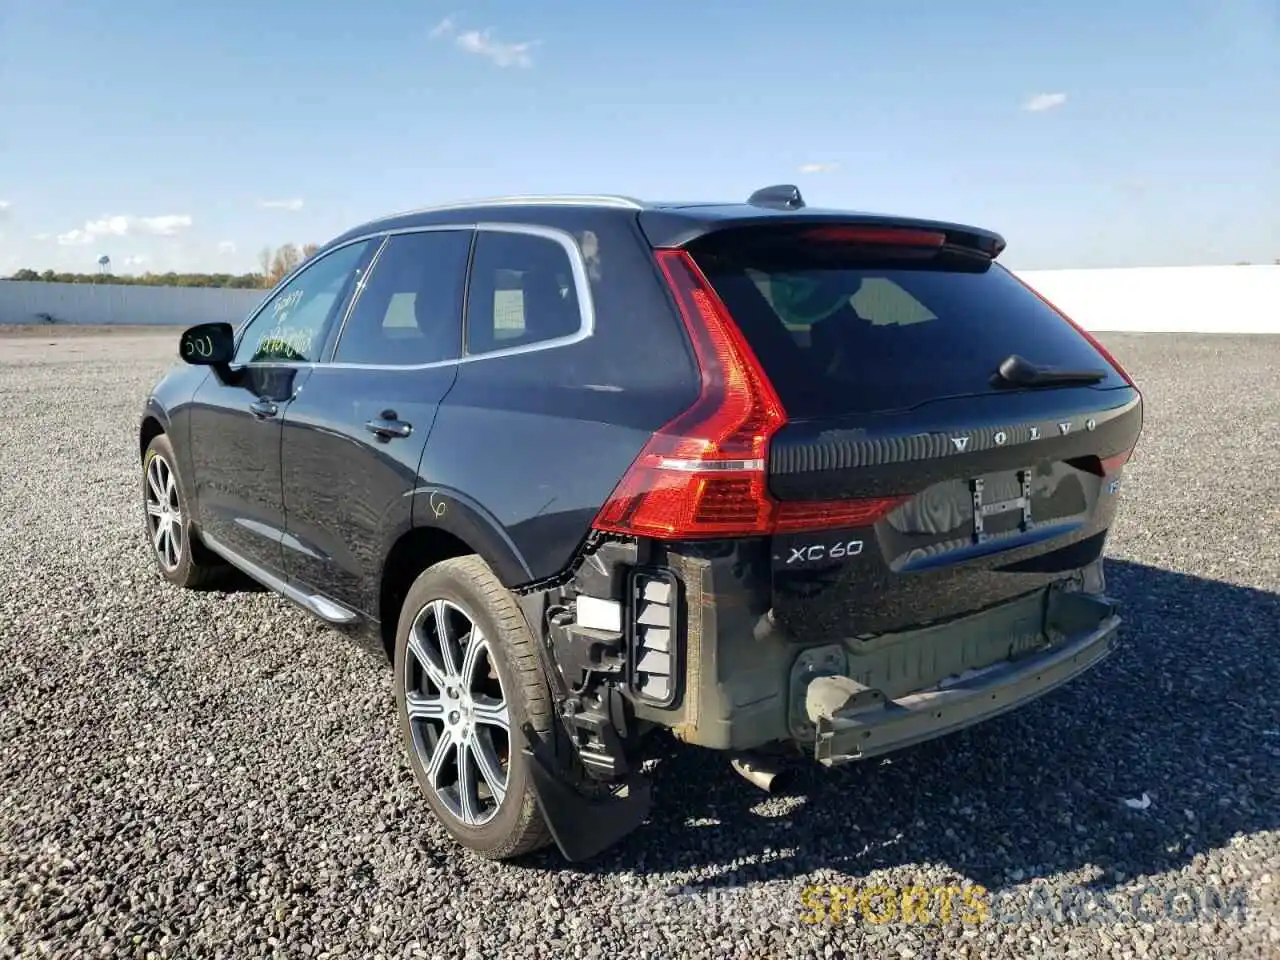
<point>782,196</point>
<point>568,200</point>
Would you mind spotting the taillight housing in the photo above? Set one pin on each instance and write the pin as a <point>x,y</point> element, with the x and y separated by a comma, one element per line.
<point>705,474</point>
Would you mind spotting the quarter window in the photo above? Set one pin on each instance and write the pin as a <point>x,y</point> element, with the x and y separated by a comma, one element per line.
<point>522,292</point>
<point>410,307</point>
<point>291,327</point>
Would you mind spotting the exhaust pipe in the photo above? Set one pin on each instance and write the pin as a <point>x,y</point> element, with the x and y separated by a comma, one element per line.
<point>761,771</point>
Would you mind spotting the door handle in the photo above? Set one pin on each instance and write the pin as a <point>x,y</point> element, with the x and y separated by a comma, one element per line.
<point>387,428</point>
<point>263,409</point>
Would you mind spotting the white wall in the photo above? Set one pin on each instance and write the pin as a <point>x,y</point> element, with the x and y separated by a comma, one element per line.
<point>1243,299</point>
<point>105,303</point>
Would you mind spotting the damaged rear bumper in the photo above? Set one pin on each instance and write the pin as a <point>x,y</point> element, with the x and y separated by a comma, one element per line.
<point>854,722</point>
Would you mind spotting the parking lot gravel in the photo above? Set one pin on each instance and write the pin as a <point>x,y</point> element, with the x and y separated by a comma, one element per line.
<point>216,774</point>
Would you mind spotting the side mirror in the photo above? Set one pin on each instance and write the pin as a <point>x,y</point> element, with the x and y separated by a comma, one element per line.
<point>208,344</point>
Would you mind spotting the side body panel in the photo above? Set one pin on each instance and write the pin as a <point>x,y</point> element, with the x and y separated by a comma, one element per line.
<point>235,460</point>
<point>537,439</point>
<point>347,494</point>
<point>170,405</point>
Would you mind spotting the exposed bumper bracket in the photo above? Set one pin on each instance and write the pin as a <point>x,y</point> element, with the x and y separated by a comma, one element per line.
<point>852,724</point>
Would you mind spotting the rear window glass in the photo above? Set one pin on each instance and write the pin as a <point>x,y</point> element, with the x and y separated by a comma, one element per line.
<point>842,335</point>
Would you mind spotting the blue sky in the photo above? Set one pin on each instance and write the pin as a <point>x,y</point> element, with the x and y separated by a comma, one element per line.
<point>188,136</point>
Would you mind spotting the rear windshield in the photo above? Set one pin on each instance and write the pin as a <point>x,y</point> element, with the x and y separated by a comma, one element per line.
<point>839,334</point>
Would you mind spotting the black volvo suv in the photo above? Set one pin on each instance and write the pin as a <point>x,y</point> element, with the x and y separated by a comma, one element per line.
<point>775,479</point>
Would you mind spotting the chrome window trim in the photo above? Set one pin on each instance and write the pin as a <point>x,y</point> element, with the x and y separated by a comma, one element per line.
<point>567,241</point>
<point>355,296</point>
<point>612,201</point>
<point>581,283</point>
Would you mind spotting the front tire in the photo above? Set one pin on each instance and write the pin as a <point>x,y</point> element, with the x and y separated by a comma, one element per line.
<point>467,682</point>
<point>180,557</point>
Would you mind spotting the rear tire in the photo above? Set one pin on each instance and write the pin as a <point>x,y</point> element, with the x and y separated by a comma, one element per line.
<point>179,556</point>
<point>463,703</point>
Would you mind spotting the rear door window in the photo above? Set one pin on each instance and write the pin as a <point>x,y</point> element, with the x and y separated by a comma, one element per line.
<point>840,332</point>
<point>522,292</point>
<point>409,310</point>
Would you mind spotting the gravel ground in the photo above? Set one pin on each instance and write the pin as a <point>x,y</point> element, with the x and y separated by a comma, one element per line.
<point>186,774</point>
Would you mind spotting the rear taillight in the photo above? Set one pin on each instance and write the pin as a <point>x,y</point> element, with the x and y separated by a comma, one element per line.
<point>1093,341</point>
<point>705,474</point>
<point>1113,463</point>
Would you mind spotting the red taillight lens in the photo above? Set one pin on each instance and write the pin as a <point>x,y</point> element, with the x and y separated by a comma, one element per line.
<point>814,514</point>
<point>880,236</point>
<point>705,474</point>
<point>1093,341</point>
<point>1113,463</point>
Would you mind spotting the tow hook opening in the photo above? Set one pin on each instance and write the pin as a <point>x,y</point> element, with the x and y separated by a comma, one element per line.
<point>764,772</point>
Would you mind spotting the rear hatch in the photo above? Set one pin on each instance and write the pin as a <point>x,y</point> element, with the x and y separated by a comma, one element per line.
<point>886,351</point>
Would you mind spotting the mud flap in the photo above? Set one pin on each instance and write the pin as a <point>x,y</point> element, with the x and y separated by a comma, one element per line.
<point>584,826</point>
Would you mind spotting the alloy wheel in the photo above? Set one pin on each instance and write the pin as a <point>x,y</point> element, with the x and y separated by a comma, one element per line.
<point>164,513</point>
<point>458,713</point>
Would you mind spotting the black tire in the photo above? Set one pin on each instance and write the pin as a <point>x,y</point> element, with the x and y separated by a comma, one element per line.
<point>468,584</point>
<point>195,566</point>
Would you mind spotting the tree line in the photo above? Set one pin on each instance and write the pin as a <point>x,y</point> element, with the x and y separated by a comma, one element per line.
<point>273,264</point>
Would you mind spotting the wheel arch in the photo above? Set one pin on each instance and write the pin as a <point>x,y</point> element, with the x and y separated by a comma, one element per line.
<point>151,428</point>
<point>446,525</point>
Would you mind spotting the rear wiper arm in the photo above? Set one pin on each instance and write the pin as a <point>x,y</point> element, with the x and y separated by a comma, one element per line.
<point>1019,372</point>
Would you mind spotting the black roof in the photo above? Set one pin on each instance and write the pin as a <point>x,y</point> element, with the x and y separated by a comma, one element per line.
<point>672,223</point>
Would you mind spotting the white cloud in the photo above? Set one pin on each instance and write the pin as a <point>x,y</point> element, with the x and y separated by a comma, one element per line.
<point>121,225</point>
<point>135,261</point>
<point>1044,101</point>
<point>167,226</point>
<point>482,44</point>
<point>818,167</point>
<point>226,246</point>
<point>4,208</point>
<point>294,204</point>
<point>42,236</point>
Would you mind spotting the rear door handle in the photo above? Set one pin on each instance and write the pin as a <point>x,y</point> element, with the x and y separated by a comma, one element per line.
<point>388,427</point>
<point>263,409</point>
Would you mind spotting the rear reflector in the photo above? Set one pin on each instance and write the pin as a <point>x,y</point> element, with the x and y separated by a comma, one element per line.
<point>705,474</point>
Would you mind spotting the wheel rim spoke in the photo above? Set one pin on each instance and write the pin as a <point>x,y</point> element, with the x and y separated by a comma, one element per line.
<point>153,480</point>
<point>457,711</point>
<point>477,646</point>
<point>444,747</point>
<point>448,651</point>
<point>490,769</point>
<point>468,800</point>
<point>421,650</point>
<point>492,713</point>
<point>164,512</point>
<point>424,708</point>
